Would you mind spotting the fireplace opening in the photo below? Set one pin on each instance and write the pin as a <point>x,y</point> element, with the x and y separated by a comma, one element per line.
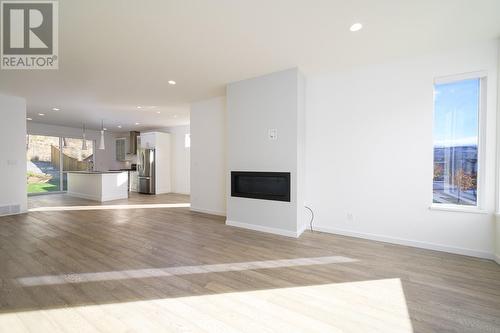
<point>261,185</point>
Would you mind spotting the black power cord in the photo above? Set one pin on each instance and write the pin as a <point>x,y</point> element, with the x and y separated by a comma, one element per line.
<point>312,218</point>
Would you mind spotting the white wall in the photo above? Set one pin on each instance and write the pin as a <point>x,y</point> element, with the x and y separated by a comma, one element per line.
<point>13,152</point>
<point>180,158</point>
<point>208,161</point>
<point>369,153</point>
<point>104,159</point>
<point>497,233</point>
<point>255,106</point>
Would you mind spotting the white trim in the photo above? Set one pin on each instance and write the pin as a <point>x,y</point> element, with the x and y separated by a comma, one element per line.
<point>260,228</point>
<point>163,191</point>
<point>207,211</point>
<point>114,197</point>
<point>302,229</point>
<point>460,77</point>
<point>481,152</point>
<point>458,208</point>
<point>408,242</point>
<point>497,239</point>
<point>22,211</point>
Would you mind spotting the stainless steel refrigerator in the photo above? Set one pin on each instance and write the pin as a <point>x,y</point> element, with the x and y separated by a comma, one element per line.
<point>146,168</point>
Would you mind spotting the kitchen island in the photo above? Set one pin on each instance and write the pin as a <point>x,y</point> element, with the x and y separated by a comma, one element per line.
<point>98,185</point>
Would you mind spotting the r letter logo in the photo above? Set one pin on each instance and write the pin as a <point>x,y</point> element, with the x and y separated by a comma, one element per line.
<point>29,32</point>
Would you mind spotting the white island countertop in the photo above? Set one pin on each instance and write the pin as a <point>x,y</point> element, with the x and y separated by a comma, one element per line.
<point>98,185</point>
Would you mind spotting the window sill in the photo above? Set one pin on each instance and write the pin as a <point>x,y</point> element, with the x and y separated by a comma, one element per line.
<point>458,209</point>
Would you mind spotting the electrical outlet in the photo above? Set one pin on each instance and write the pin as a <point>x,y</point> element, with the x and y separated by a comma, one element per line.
<point>350,217</point>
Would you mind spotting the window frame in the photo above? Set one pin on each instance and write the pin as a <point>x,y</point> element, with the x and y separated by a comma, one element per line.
<point>481,150</point>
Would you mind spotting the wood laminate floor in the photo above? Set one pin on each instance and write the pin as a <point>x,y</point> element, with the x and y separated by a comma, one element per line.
<point>148,264</point>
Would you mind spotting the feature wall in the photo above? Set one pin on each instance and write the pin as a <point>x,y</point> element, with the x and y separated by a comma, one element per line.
<point>255,108</point>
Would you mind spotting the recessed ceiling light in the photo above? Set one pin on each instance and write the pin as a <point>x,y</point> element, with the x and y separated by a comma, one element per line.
<point>105,129</point>
<point>356,27</point>
<point>172,82</point>
<point>55,109</point>
<point>139,107</point>
<point>29,118</point>
<point>137,123</point>
<point>41,114</point>
<point>119,126</point>
<point>158,112</point>
<point>175,116</point>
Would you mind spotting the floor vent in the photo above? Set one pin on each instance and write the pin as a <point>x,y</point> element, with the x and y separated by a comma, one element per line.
<point>9,210</point>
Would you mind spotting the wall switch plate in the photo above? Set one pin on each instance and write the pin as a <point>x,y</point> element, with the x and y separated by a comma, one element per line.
<point>273,134</point>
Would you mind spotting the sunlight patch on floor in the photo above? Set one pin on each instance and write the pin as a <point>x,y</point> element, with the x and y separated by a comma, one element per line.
<point>366,306</point>
<point>175,271</point>
<point>108,207</point>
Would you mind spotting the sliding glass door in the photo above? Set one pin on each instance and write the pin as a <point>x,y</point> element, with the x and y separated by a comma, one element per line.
<point>43,168</point>
<point>48,159</point>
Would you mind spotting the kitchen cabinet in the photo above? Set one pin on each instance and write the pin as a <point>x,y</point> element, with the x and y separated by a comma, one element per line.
<point>148,140</point>
<point>98,185</point>
<point>120,149</point>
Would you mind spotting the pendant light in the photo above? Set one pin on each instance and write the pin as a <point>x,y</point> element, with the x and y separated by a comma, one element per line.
<point>84,138</point>
<point>101,144</point>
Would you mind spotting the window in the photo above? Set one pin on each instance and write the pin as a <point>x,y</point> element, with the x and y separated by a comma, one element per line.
<point>187,140</point>
<point>457,133</point>
<point>47,163</point>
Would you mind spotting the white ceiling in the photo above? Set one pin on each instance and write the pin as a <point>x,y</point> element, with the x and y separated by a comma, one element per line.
<point>118,54</point>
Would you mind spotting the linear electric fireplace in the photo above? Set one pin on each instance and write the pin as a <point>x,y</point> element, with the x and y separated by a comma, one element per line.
<point>261,185</point>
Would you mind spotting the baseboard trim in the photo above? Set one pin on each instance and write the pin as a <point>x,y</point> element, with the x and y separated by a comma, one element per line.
<point>408,242</point>
<point>14,214</point>
<point>207,211</point>
<point>260,228</point>
<point>114,197</point>
<point>163,191</point>
<point>301,230</point>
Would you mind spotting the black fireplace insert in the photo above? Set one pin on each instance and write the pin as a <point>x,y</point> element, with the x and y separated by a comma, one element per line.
<point>261,185</point>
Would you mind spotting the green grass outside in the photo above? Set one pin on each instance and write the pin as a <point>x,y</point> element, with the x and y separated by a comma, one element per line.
<point>42,187</point>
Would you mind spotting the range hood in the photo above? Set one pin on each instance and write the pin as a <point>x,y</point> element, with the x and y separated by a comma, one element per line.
<point>132,146</point>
